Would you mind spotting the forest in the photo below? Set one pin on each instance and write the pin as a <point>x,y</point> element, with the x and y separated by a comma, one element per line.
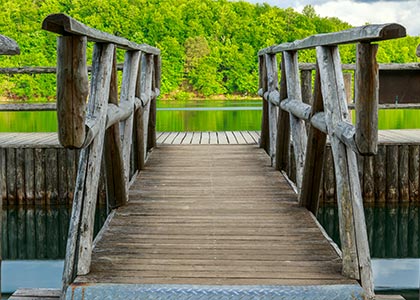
<point>209,47</point>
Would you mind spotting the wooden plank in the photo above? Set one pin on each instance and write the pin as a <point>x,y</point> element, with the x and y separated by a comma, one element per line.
<point>51,176</point>
<point>29,176</point>
<point>231,138</point>
<point>188,138</point>
<point>413,172</point>
<point>177,229</point>
<point>403,174</point>
<point>366,98</point>
<point>221,136</point>
<point>11,176</point>
<point>213,138</point>
<point>179,138</point>
<point>20,175</point>
<point>239,138</point>
<point>36,294</point>
<point>367,33</point>
<point>40,177</point>
<point>196,138</point>
<point>205,138</point>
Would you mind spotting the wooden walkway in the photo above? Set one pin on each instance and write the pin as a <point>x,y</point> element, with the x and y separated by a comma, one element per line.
<point>212,215</point>
<point>50,139</point>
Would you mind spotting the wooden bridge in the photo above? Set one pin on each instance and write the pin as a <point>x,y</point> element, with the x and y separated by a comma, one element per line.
<point>214,221</point>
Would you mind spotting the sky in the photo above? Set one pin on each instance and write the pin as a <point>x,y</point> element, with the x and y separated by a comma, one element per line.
<point>360,12</point>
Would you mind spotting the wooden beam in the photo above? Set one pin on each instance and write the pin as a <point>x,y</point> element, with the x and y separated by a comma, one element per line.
<point>367,33</point>
<point>297,108</point>
<point>366,99</point>
<point>66,25</point>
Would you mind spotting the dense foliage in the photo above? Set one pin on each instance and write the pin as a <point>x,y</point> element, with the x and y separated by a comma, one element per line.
<point>208,46</point>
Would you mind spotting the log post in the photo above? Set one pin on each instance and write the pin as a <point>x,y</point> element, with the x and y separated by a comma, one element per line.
<point>283,126</point>
<point>263,87</point>
<point>151,136</point>
<point>114,166</point>
<point>366,98</point>
<point>314,160</point>
<point>297,125</point>
<point>273,85</point>
<point>72,90</point>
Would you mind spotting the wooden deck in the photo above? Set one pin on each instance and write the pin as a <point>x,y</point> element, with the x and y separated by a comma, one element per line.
<point>213,215</point>
<point>50,139</point>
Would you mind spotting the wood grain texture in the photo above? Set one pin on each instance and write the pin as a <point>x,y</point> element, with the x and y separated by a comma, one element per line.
<point>199,215</point>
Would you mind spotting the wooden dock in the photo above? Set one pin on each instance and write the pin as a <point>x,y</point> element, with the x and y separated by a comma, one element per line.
<point>212,215</point>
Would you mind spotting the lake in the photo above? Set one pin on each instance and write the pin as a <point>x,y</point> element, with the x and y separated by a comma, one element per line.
<point>198,115</point>
<point>393,231</point>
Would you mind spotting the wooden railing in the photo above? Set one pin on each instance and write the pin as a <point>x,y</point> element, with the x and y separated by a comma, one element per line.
<point>114,134</point>
<point>327,116</point>
<point>7,47</point>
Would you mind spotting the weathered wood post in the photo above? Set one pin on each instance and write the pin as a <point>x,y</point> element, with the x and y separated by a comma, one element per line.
<point>72,90</point>
<point>263,87</point>
<point>273,100</point>
<point>7,47</point>
<point>366,98</point>
<point>283,125</point>
<point>151,136</point>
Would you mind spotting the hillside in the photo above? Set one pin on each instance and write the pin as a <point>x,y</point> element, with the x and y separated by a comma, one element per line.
<point>208,47</point>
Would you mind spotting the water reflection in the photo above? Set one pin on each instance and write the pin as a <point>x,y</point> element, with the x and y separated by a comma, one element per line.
<point>393,231</point>
<point>38,232</point>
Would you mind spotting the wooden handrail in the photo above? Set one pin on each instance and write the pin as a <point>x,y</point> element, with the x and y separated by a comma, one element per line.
<point>367,34</point>
<point>111,125</point>
<point>66,25</point>
<point>327,115</point>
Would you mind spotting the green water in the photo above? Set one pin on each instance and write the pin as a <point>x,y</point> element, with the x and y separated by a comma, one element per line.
<point>199,115</point>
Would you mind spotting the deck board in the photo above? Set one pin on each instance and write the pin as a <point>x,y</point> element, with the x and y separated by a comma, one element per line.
<point>50,140</point>
<point>213,215</point>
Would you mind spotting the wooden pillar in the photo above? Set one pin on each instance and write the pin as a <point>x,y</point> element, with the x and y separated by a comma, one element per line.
<point>72,90</point>
<point>283,126</point>
<point>114,165</point>
<point>263,86</point>
<point>273,85</point>
<point>297,126</point>
<point>306,86</point>
<point>366,98</point>
<point>314,160</point>
<point>151,136</point>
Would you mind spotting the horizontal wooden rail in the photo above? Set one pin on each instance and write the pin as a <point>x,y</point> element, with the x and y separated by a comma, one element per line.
<point>368,33</point>
<point>65,25</point>
<point>40,70</point>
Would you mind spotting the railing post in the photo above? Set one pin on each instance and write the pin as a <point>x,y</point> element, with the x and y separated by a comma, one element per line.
<point>273,86</point>
<point>314,160</point>
<point>263,87</point>
<point>114,167</point>
<point>151,136</point>
<point>72,90</point>
<point>297,125</point>
<point>366,98</point>
<point>283,126</point>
